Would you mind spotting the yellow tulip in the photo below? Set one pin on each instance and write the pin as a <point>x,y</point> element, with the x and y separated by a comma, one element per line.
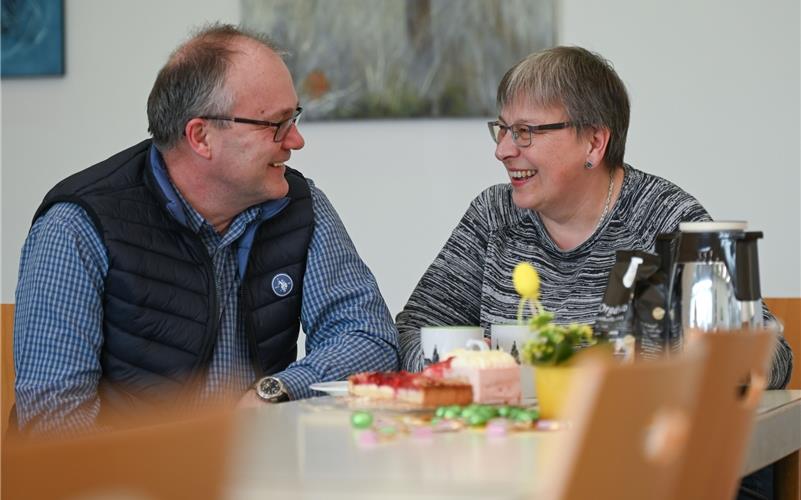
<point>526,281</point>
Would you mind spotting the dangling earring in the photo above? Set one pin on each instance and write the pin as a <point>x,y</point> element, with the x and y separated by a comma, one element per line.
<point>588,165</point>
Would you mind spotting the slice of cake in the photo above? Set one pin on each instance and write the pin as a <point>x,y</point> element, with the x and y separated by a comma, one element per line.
<point>493,375</point>
<point>414,388</point>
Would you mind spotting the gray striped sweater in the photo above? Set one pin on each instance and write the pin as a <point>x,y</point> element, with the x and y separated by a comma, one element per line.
<point>470,281</point>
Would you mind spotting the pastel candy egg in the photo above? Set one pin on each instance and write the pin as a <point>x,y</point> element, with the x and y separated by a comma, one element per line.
<point>497,427</point>
<point>361,419</point>
<point>367,438</point>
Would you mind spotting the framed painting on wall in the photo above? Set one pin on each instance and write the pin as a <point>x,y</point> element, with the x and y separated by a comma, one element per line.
<point>32,38</point>
<point>401,58</point>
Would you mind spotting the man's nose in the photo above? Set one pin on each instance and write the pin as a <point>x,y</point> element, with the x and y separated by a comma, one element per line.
<point>293,139</point>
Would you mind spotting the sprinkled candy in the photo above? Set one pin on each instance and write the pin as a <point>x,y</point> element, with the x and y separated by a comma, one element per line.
<point>468,412</point>
<point>448,426</point>
<point>367,438</point>
<point>497,427</point>
<point>488,412</point>
<point>452,413</point>
<point>550,425</point>
<point>525,417</point>
<point>476,420</point>
<point>388,430</point>
<point>513,412</point>
<point>361,419</point>
<point>422,432</point>
<point>503,411</point>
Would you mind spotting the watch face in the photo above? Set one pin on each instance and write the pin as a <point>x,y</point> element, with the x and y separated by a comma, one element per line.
<point>269,388</point>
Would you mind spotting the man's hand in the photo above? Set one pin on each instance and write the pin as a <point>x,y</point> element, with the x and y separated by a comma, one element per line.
<point>250,400</point>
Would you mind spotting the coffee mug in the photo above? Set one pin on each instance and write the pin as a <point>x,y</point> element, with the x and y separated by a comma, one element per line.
<point>440,340</point>
<point>510,338</point>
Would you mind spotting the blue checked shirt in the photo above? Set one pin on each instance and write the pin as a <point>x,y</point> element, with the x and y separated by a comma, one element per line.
<point>58,332</point>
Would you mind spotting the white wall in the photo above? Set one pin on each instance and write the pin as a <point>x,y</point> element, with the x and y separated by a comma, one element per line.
<point>714,86</point>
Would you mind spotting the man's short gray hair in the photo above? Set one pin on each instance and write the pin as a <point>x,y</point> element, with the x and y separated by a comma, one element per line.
<point>580,81</point>
<point>192,83</point>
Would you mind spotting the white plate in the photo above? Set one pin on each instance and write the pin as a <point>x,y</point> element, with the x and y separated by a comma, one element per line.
<point>338,388</point>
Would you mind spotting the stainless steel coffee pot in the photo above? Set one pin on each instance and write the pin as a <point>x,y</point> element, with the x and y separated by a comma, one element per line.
<point>715,280</point>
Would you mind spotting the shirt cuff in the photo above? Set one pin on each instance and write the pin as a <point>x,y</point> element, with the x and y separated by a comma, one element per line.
<point>297,381</point>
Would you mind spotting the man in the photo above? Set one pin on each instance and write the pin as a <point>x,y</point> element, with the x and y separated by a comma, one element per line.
<point>191,259</point>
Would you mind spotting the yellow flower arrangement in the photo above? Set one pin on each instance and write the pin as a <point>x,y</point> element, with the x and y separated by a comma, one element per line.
<point>553,344</point>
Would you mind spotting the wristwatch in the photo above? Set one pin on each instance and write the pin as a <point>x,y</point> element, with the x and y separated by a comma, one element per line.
<point>271,389</point>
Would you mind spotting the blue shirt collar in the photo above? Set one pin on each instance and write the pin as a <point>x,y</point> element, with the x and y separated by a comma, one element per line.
<point>178,207</point>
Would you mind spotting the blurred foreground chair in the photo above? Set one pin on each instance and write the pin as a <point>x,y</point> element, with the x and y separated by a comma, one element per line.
<point>630,429</point>
<point>733,381</point>
<point>182,458</point>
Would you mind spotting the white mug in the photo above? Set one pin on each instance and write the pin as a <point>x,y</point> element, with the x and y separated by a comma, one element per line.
<point>440,340</point>
<point>510,338</point>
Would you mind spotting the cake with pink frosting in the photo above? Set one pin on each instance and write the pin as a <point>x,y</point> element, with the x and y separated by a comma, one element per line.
<point>494,375</point>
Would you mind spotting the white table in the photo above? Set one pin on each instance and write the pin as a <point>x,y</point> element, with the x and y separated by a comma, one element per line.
<point>307,449</point>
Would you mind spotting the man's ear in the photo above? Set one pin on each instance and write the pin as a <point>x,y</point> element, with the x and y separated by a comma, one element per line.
<point>598,141</point>
<point>197,131</point>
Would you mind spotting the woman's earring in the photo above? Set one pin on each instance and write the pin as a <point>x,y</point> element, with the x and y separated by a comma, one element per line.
<point>588,165</point>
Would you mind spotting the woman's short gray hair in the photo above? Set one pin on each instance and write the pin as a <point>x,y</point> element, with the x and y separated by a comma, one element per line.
<point>582,82</point>
<point>192,83</point>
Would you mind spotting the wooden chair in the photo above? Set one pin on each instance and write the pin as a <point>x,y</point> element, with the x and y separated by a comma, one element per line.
<point>6,364</point>
<point>723,419</point>
<point>630,426</point>
<point>179,459</point>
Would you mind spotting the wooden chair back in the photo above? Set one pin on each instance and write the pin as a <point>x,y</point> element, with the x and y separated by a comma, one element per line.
<point>6,364</point>
<point>177,459</point>
<point>733,381</point>
<point>630,427</point>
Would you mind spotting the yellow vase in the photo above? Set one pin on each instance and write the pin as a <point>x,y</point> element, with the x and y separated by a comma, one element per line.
<point>553,386</point>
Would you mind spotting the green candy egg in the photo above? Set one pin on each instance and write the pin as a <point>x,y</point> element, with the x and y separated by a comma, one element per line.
<point>467,412</point>
<point>361,419</point>
<point>476,419</point>
<point>452,413</point>
<point>488,412</point>
<point>524,417</point>
<point>440,412</point>
<point>388,430</point>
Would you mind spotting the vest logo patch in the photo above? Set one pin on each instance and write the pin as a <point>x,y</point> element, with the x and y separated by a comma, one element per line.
<point>282,284</point>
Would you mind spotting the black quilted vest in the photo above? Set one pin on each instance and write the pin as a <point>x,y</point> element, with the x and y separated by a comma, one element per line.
<point>159,303</point>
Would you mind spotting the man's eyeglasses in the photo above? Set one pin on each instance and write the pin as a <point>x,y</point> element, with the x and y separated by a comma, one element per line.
<point>281,128</point>
<point>521,133</point>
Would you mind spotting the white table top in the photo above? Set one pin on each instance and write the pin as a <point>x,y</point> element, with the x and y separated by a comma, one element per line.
<point>307,449</point>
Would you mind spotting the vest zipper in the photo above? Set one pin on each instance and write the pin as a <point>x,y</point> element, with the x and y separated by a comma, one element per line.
<point>249,333</point>
<point>197,379</point>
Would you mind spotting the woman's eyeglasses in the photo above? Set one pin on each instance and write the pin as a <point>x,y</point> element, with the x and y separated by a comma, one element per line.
<point>521,133</point>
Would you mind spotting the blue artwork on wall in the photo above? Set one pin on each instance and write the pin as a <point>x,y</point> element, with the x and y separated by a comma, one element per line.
<point>32,38</point>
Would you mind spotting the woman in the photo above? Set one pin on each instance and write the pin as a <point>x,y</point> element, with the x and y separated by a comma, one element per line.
<point>570,204</point>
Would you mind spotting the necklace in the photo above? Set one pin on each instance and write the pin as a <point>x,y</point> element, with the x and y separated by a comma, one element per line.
<point>608,200</point>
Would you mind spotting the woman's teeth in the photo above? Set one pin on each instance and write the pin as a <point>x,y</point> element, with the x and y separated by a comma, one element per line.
<point>521,174</point>
<point>277,165</point>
